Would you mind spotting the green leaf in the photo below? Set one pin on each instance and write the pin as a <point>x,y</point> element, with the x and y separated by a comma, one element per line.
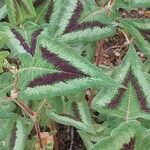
<point>65,81</point>
<point>43,10</point>
<point>18,11</point>
<point>88,35</point>
<point>82,122</point>
<point>3,12</point>
<point>6,84</point>
<point>143,24</point>
<point>5,128</point>
<point>127,135</point>
<point>145,141</point>
<point>20,136</point>
<point>129,103</point>
<point>146,66</point>
<point>73,22</point>
<point>139,3</point>
<point>131,4</point>
<point>23,40</point>
<point>3,55</point>
<point>138,39</point>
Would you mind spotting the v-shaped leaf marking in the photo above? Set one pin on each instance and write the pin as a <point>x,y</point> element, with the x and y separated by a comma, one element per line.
<point>74,25</point>
<point>38,3</point>
<point>140,94</point>
<point>50,6</point>
<point>129,103</point>
<point>49,11</point>
<point>66,71</point>
<point>146,34</point>
<point>130,145</point>
<point>28,48</point>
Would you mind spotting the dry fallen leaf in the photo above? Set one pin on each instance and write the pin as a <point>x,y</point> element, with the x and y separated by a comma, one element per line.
<point>147,13</point>
<point>46,140</point>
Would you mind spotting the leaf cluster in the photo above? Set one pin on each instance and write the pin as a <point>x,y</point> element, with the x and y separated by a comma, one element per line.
<point>47,50</point>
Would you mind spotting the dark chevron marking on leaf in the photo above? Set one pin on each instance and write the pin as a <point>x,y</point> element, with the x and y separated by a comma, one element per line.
<point>49,11</point>
<point>50,79</point>
<point>74,25</point>
<point>21,3</point>
<point>13,137</point>
<point>130,145</point>
<point>17,4</point>
<point>76,111</point>
<point>71,117</point>
<point>38,3</point>
<point>116,101</point>
<point>34,40</point>
<point>66,72</point>
<point>140,95</point>
<point>60,63</point>
<point>15,61</point>
<point>16,9</point>
<point>145,34</point>
<point>22,41</point>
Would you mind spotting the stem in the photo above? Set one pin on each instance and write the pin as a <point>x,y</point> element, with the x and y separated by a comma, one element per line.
<point>99,54</point>
<point>14,97</point>
<point>100,51</point>
<point>53,128</point>
<point>111,2</point>
<point>109,6</point>
<point>25,108</point>
<point>72,138</point>
<point>37,128</point>
<point>126,36</point>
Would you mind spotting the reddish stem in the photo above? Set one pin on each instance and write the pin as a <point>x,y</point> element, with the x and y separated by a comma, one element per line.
<point>33,116</point>
<point>99,52</point>
<point>37,128</point>
<point>111,2</point>
<point>53,127</point>
<point>25,108</point>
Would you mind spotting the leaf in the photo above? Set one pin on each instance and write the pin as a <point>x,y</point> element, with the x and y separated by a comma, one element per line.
<point>77,26</point>
<point>126,136</point>
<point>5,128</point>
<point>20,136</point>
<point>58,70</point>
<point>131,4</point>
<point>72,22</point>
<point>139,3</point>
<point>6,83</point>
<point>130,103</point>
<point>82,122</point>
<point>139,40</point>
<point>44,9</point>
<point>47,141</point>
<point>3,55</point>
<point>146,66</point>
<point>18,11</point>
<point>19,44</point>
<point>143,24</point>
<point>145,141</point>
<point>3,12</point>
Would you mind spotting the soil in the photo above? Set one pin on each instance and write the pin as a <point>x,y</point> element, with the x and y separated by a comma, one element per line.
<point>113,50</point>
<point>68,138</point>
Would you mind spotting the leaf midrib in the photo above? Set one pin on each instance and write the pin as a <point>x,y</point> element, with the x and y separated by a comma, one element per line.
<point>129,104</point>
<point>44,69</point>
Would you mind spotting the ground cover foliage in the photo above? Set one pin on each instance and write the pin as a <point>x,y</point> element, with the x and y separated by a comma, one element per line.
<point>47,50</point>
